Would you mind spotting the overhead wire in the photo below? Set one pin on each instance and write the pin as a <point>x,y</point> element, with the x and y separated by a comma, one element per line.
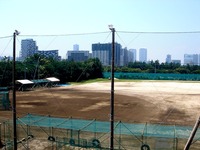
<point>75,34</point>
<point>89,33</point>
<point>6,46</point>
<point>4,37</point>
<point>121,39</point>
<point>133,39</point>
<point>51,42</point>
<point>107,36</point>
<point>162,32</point>
<point>5,67</point>
<point>19,42</point>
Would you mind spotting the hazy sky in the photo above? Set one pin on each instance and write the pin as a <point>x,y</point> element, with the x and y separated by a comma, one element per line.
<point>55,17</point>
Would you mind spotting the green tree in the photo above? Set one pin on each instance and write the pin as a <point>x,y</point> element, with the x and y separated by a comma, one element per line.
<point>5,72</point>
<point>182,70</point>
<point>93,68</point>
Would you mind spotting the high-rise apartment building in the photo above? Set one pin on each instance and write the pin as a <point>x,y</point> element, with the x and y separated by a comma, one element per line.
<point>75,47</point>
<point>199,60</point>
<point>49,53</point>
<point>78,56</point>
<point>176,61</point>
<point>142,55</point>
<point>191,59</point>
<point>132,55</point>
<point>28,48</point>
<point>195,59</point>
<point>103,51</point>
<point>168,59</point>
<point>123,57</point>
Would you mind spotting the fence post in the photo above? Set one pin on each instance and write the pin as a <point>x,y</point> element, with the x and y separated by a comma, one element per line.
<point>189,142</point>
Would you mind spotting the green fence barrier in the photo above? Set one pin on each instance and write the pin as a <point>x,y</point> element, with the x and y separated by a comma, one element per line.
<point>93,134</point>
<point>4,98</point>
<point>153,76</point>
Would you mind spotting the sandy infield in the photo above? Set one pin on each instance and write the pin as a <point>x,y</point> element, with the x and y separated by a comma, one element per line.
<point>163,102</point>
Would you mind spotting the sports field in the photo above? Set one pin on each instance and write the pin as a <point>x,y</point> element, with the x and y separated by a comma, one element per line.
<point>160,102</point>
<point>166,102</point>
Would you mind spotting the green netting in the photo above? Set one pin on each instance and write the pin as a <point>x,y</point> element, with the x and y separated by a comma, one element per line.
<point>153,76</point>
<point>151,130</point>
<point>3,88</point>
<point>43,83</point>
<point>60,133</point>
<point>40,81</point>
<point>4,100</point>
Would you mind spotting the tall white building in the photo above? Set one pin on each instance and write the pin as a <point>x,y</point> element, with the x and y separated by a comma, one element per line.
<point>103,55</point>
<point>28,48</point>
<point>199,60</point>
<point>75,47</point>
<point>196,59</point>
<point>123,57</point>
<point>132,55</point>
<point>103,51</point>
<point>168,59</point>
<point>142,55</point>
<point>191,59</point>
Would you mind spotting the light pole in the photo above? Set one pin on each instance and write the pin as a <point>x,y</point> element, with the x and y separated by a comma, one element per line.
<point>14,92</point>
<point>112,89</point>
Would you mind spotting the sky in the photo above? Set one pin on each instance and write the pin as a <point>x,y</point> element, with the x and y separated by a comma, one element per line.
<point>66,17</point>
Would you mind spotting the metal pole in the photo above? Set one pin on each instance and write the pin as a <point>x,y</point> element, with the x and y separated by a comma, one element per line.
<point>112,92</point>
<point>189,142</point>
<point>1,144</point>
<point>14,93</point>
<point>0,131</point>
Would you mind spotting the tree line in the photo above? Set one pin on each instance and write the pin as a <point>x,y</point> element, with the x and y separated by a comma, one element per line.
<point>39,67</point>
<point>156,67</point>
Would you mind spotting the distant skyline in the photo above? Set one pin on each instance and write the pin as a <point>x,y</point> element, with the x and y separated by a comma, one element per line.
<point>58,17</point>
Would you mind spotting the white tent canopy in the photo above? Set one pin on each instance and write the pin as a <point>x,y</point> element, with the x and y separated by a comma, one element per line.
<point>27,84</point>
<point>25,81</point>
<point>53,79</point>
<point>24,84</point>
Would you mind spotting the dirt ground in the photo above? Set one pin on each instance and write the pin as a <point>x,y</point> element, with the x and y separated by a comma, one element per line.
<point>163,102</point>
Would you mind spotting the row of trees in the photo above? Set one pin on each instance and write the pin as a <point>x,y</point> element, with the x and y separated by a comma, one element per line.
<point>156,67</point>
<point>39,67</point>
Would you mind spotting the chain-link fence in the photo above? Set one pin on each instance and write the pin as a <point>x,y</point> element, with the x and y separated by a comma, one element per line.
<point>46,132</point>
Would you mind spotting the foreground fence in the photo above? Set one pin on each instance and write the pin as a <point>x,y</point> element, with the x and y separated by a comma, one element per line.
<point>47,132</point>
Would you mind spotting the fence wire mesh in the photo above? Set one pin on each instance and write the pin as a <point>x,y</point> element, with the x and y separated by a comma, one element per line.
<point>67,133</point>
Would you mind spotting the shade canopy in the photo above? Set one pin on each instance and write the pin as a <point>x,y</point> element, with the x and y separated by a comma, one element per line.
<point>53,79</point>
<point>25,81</point>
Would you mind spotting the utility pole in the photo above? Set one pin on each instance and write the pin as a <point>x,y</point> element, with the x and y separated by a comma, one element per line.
<point>189,142</point>
<point>14,92</point>
<point>112,90</point>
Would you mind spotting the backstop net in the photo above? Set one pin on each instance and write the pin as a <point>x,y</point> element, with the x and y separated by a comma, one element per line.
<point>65,133</point>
